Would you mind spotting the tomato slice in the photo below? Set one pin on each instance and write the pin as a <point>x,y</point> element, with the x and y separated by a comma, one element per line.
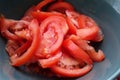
<point>24,34</point>
<point>72,27</point>
<point>80,42</point>
<point>19,51</point>
<point>69,67</point>
<point>88,33</point>
<point>18,61</point>
<point>46,63</point>
<point>77,52</point>
<point>4,27</point>
<point>72,20</point>
<point>99,37</point>
<point>89,29</point>
<point>61,6</point>
<point>95,56</point>
<point>52,31</point>
<point>40,15</point>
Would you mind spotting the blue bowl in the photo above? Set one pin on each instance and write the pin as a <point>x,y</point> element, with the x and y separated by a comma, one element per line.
<point>105,14</point>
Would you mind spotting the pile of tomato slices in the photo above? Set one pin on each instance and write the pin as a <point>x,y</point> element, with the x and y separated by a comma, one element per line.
<point>57,38</point>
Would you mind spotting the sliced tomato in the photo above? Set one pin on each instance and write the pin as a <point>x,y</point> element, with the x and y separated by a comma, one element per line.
<point>46,63</point>
<point>40,15</point>
<point>11,46</point>
<point>43,3</point>
<point>10,27</point>
<point>77,52</point>
<point>24,34</point>
<point>69,67</point>
<point>24,58</point>
<point>61,6</point>
<point>95,56</point>
<point>83,26</point>
<point>80,42</point>
<point>19,51</point>
<point>72,27</point>
<point>4,27</point>
<point>88,33</point>
<point>99,37</point>
<point>89,29</point>
<point>52,31</point>
<point>72,20</point>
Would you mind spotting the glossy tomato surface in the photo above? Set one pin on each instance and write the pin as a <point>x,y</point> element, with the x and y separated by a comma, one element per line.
<point>106,15</point>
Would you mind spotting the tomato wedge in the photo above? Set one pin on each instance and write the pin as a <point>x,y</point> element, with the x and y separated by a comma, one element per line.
<point>18,61</point>
<point>11,46</point>
<point>84,26</point>
<point>69,67</point>
<point>76,51</point>
<point>72,20</point>
<point>89,29</point>
<point>52,31</point>
<point>87,33</point>
<point>61,6</point>
<point>4,27</point>
<point>46,63</point>
<point>72,27</point>
<point>79,42</point>
<point>40,15</point>
<point>99,37</point>
<point>23,48</point>
<point>24,34</point>
<point>95,56</point>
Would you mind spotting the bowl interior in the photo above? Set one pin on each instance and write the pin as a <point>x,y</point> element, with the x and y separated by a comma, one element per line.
<point>106,17</point>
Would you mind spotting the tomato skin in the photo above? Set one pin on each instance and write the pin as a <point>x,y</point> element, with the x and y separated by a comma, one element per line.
<point>76,51</point>
<point>52,31</point>
<point>71,73</point>
<point>18,61</point>
<point>46,63</point>
<point>61,7</point>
